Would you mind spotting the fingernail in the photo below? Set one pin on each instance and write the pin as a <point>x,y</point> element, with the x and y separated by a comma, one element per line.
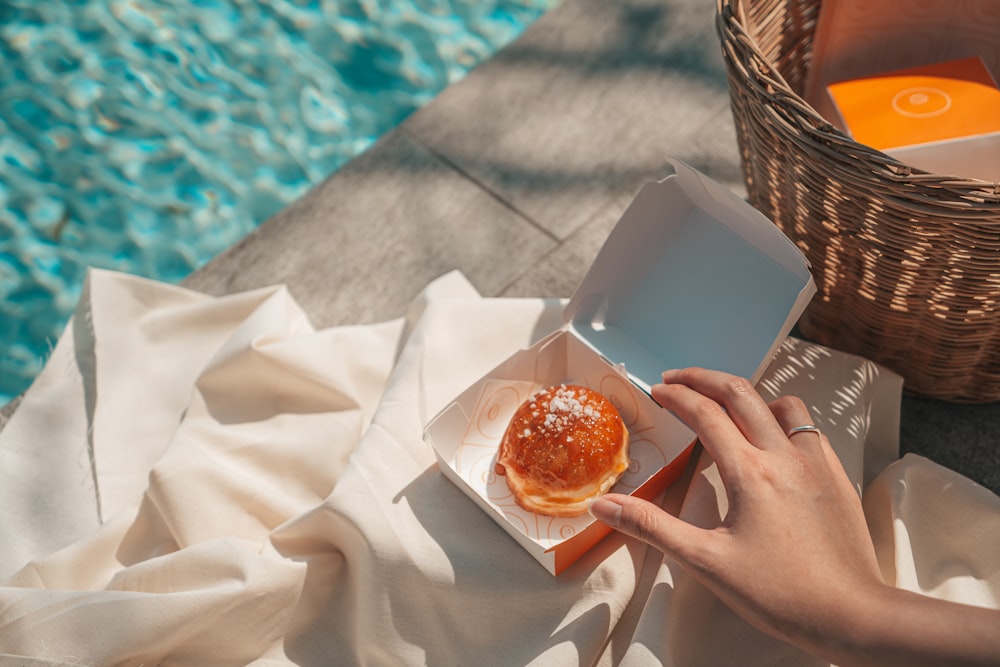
<point>606,511</point>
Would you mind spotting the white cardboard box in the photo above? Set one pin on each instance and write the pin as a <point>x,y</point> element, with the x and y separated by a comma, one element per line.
<point>690,275</point>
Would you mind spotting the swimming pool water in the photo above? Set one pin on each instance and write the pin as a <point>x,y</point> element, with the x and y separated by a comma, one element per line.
<point>146,136</point>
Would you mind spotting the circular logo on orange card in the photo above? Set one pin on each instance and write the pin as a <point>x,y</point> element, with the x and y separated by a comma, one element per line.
<point>921,102</point>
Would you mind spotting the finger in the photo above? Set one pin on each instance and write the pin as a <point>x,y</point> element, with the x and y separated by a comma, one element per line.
<point>715,429</point>
<point>645,521</point>
<point>790,412</point>
<point>745,406</point>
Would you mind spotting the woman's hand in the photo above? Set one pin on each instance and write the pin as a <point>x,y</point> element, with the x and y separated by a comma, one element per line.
<point>794,540</point>
<point>793,555</point>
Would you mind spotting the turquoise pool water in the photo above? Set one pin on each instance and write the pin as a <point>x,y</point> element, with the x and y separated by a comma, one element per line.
<point>146,136</point>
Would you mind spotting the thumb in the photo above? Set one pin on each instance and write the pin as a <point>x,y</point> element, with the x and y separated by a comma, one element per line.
<point>649,523</point>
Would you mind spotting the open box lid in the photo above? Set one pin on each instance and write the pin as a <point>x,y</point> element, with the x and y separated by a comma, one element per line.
<point>691,275</point>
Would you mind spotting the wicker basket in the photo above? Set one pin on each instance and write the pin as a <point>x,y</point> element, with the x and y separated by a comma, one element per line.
<point>907,263</point>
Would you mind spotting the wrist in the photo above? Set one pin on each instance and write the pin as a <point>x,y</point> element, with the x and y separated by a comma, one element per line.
<point>850,624</point>
<point>859,633</point>
<point>883,626</point>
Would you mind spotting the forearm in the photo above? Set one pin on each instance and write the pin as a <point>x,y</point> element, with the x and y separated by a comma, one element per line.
<point>897,627</point>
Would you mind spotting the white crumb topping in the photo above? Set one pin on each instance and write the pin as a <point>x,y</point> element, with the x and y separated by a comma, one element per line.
<point>565,405</point>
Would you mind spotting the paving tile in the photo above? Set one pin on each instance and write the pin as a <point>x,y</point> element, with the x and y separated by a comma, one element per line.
<point>583,107</point>
<point>963,438</point>
<point>361,245</point>
<point>712,150</point>
<point>557,274</point>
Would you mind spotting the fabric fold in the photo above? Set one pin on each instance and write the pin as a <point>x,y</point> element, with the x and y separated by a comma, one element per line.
<point>267,498</point>
<point>938,532</point>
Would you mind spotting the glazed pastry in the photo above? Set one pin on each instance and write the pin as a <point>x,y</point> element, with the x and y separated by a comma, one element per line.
<point>563,447</point>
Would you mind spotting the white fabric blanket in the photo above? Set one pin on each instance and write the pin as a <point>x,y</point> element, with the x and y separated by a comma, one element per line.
<point>197,480</point>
